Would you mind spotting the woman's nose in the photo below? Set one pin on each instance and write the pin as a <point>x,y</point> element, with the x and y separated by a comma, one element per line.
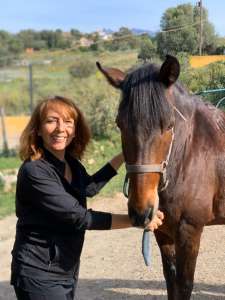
<point>61,125</point>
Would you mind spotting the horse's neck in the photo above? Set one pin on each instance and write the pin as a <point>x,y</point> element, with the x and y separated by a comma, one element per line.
<point>183,103</point>
<point>203,127</point>
<point>184,113</point>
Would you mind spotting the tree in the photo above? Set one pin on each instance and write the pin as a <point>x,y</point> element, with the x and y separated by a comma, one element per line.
<point>147,50</point>
<point>220,46</point>
<point>122,40</point>
<point>208,36</point>
<point>15,45</point>
<point>180,30</point>
<point>10,46</point>
<point>76,34</point>
<point>28,37</point>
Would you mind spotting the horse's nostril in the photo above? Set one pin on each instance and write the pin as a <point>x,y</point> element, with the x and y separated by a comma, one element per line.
<point>136,218</point>
<point>132,213</point>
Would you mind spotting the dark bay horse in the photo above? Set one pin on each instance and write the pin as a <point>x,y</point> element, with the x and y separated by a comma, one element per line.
<point>174,148</point>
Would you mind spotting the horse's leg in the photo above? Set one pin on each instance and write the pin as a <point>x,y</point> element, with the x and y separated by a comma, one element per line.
<point>187,247</point>
<point>167,249</point>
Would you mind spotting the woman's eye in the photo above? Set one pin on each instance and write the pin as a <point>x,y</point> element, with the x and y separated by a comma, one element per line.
<point>51,121</point>
<point>69,122</point>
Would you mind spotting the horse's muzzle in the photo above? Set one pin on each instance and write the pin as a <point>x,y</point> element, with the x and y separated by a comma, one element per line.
<point>140,220</point>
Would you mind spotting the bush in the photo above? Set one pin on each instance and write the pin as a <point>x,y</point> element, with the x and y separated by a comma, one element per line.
<point>147,50</point>
<point>101,116</point>
<point>82,69</point>
<point>208,78</point>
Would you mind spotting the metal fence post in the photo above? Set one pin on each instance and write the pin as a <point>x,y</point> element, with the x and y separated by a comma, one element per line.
<point>5,141</point>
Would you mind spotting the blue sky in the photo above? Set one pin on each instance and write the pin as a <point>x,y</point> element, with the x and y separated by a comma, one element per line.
<point>90,15</point>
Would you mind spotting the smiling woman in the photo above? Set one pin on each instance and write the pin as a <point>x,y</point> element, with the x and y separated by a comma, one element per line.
<point>51,204</point>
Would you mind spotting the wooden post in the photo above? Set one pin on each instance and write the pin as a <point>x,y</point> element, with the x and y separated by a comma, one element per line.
<point>5,142</point>
<point>31,87</point>
<point>201,28</point>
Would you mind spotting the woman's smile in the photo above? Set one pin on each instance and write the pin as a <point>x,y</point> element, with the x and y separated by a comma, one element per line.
<point>57,132</point>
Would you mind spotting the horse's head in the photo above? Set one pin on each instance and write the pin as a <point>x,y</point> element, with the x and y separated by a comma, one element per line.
<point>146,120</point>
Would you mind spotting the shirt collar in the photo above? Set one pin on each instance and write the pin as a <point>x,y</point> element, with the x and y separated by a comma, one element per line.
<point>52,159</point>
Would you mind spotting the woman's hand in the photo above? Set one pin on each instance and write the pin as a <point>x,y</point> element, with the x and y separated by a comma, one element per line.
<point>117,161</point>
<point>123,221</point>
<point>156,221</point>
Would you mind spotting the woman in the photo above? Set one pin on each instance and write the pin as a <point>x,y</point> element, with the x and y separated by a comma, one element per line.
<point>51,207</point>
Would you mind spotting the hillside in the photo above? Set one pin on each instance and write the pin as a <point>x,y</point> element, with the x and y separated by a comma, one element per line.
<point>51,76</point>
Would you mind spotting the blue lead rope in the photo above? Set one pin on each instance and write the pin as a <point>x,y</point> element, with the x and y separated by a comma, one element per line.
<point>146,238</point>
<point>146,247</point>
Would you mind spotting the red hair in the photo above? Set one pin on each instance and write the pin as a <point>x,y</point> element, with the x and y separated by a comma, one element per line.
<point>31,145</point>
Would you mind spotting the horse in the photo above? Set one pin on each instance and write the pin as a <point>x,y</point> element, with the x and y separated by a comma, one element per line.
<point>174,149</point>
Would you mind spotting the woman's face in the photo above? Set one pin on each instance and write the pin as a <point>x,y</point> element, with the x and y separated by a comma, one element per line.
<point>57,132</point>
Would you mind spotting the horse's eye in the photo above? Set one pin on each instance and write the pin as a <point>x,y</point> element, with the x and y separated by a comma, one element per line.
<point>170,126</point>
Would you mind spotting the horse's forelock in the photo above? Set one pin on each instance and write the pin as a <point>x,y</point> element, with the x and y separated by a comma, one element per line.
<point>144,102</point>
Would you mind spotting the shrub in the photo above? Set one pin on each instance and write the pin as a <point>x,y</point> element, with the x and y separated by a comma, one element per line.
<point>101,116</point>
<point>82,69</point>
<point>147,50</point>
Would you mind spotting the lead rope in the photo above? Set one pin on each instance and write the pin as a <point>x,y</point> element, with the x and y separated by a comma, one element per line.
<point>126,185</point>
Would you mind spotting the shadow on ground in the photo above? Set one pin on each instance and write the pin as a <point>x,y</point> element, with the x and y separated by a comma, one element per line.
<point>115,289</point>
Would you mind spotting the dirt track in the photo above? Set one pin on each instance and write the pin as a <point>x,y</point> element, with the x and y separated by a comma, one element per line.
<point>112,267</point>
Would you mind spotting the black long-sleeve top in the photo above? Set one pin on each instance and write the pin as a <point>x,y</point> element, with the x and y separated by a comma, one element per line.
<point>53,216</point>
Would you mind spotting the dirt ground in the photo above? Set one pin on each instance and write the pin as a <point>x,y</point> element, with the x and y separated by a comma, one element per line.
<point>112,267</point>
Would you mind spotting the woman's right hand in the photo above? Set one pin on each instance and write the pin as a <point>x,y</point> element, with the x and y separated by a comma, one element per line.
<point>156,221</point>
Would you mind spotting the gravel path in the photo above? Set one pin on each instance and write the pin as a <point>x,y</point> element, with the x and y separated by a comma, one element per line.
<point>112,267</point>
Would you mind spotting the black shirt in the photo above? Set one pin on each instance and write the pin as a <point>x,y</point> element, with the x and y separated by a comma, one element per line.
<point>52,216</point>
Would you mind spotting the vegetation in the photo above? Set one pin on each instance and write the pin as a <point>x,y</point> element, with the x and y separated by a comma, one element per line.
<point>97,100</point>
<point>180,28</point>
<point>9,162</point>
<point>147,50</point>
<point>7,203</point>
<point>82,69</point>
<point>180,31</point>
<point>62,65</point>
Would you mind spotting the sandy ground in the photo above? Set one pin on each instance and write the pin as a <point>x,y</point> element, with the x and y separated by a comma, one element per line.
<point>112,267</point>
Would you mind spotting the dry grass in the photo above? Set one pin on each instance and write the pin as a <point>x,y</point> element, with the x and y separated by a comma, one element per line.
<point>201,61</point>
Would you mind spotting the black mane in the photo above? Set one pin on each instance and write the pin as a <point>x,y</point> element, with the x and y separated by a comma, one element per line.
<point>144,103</point>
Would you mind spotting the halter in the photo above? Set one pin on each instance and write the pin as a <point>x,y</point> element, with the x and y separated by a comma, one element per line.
<point>153,168</point>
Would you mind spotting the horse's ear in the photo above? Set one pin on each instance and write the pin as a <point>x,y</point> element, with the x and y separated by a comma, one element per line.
<point>114,76</point>
<point>170,70</point>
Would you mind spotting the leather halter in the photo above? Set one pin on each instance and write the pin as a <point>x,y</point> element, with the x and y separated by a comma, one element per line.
<point>152,168</point>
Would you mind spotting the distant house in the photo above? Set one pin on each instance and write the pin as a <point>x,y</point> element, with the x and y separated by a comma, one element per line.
<point>84,42</point>
<point>103,35</point>
<point>29,50</point>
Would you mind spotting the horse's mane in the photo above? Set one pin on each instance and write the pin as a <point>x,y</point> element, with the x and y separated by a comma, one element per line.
<point>143,96</point>
<point>144,103</point>
<point>215,117</point>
